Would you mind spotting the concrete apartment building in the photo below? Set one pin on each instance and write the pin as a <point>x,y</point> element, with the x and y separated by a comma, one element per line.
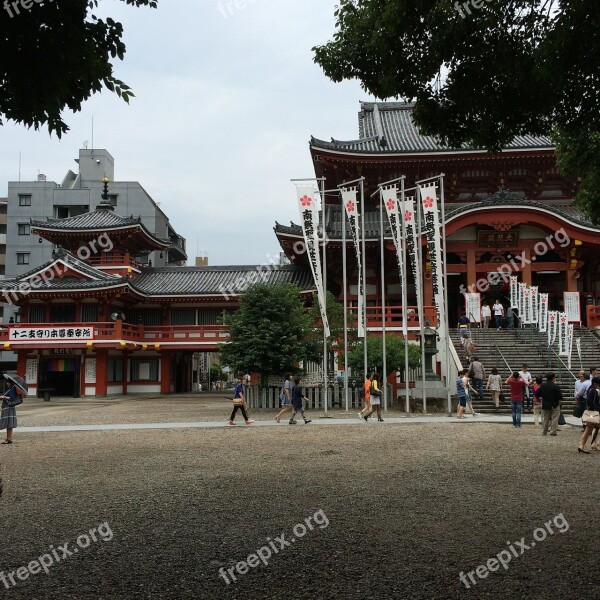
<point>75,195</point>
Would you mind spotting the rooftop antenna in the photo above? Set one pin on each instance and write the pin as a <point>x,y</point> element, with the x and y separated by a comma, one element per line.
<point>85,145</point>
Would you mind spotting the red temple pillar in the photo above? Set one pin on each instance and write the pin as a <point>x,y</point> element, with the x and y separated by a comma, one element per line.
<point>165,372</point>
<point>21,362</point>
<point>101,372</point>
<point>527,266</point>
<point>471,270</point>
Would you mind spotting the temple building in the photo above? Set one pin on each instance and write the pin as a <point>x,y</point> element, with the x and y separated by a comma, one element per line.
<point>96,320</point>
<point>511,207</point>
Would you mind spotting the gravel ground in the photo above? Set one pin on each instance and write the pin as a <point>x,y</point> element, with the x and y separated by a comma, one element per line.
<point>404,510</point>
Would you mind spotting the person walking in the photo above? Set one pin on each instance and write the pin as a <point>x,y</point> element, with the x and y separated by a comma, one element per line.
<point>581,387</point>
<point>537,403</point>
<point>8,416</point>
<point>592,403</point>
<point>286,396</point>
<point>469,391</point>
<point>462,395</point>
<point>239,403</point>
<point>477,373</point>
<point>375,399</point>
<point>516,384</point>
<point>551,396</point>
<point>463,327</point>
<point>468,346</point>
<point>527,378</point>
<point>510,317</point>
<point>366,395</point>
<point>486,314</point>
<point>493,384</point>
<point>298,399</point>
<point>498,313</point>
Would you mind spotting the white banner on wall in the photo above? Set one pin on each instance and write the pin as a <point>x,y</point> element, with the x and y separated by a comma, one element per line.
<point>408,214</point>
<point>514,292</point>
<point>543,316</point>
<point>552,326</point>
<point>572,306</point>
<point>473,306</point>
<point>563,334</point>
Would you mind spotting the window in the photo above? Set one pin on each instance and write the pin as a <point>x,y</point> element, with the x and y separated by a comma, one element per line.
<point>89,313</point>
<point>62,314</point>
<point>24,199</point>
<point>22,258</point>
<point>37,313</point>
<point>144,369</point>
<point>115,370</point>
<point>112,198</point>
<point>183,316</point>
<point>24,229</point>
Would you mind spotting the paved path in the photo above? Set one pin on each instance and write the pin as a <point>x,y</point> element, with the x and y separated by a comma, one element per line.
<point>316,421</point>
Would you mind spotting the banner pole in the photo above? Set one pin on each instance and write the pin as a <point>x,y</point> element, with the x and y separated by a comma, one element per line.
<point>404,276</point>
<point>364,275</point>
<point>345,286</point>
<point>445,280</point>
<point>420,300</point>
<point>324,229</point>
<point>383,303</point>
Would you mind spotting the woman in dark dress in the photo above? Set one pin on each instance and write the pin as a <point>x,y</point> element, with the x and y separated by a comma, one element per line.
<point>8,417</point>
<point>297,400</point>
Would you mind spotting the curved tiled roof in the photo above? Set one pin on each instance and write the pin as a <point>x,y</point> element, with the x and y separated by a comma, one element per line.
<point>388,128</point>
<point>229,280</point>
<point>96,219</point>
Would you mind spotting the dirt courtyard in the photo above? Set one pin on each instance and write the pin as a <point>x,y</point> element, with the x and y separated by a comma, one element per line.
<point>375,511</point>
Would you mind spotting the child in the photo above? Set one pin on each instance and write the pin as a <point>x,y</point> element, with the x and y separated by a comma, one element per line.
<point>493,384</point>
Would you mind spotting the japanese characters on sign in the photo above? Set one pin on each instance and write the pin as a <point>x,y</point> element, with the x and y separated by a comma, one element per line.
<point>514,292</point>
<point>543,316</point>
<point>473,306</point>
<point>349,198</point>
<point>408,214</point>
<point>572,306</point>
<point>487,238</point>
<point>552,326</point>
<point>308,214</point>
<point>45,333</point>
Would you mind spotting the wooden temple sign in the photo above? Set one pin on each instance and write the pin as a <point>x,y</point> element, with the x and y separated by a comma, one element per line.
<point>487,238</point>
<point>44,333</point>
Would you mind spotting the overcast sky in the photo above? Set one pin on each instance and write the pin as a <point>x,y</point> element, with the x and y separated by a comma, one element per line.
<point>226,102</point>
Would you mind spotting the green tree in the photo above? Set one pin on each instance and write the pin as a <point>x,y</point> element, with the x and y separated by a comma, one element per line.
<point>394,350</point>
<point>54,57</point>
<point>270,333</point>
<point>483,75</point>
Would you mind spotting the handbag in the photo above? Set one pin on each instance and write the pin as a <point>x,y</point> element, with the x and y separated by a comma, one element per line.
<point>238,402</point>
<point>591,417</point>
<point>18,400</point>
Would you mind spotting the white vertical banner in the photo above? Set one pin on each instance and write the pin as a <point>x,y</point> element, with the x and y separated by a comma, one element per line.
<point>350,201</point>
<point>514,292</point>
<point>309,217</point>
<point>521,303</point>
<point>572,306</point>
<point>570,343</point>
<point>431,215</point>
<point>535,309</point>
<point>563,334</point>
<point>410,224</point>
<point>389,197</point>
<point>552,326</point>
<point>473,306</point>
<point>526,305</point>
<point>543,316</point>
<point>578,346</point>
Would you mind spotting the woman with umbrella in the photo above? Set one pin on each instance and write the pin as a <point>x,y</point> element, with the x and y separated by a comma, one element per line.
<point>10,399</point>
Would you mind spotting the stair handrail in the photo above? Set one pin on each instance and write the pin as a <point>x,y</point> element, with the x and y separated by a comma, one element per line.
<point>563,362</point>
<point>504,359</point>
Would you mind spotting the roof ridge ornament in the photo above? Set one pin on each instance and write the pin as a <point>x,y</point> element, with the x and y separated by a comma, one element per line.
<point>105,203</point>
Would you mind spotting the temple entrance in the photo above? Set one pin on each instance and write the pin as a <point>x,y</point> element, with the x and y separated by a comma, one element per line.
<point>60,375</point>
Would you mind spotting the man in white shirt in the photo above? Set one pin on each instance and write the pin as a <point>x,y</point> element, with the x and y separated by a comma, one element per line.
<point>526,376</point>
<point>498,313</point>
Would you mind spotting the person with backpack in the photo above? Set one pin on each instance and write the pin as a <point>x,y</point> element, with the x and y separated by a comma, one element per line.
<point>365,395</point>
<point>551,396</point>
<point>592,404</point>
<point>285,397</point>
<point>375,399</point>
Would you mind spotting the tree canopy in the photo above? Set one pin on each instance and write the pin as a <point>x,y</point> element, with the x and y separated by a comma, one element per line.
<point>270,333</point>
<point>55,56</point>
<point>394,351</point>
<point>480,72</point>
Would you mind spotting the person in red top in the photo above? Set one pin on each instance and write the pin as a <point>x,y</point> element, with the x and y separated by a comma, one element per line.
<point>516,384</point>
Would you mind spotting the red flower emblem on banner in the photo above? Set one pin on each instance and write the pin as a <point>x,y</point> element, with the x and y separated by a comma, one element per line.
<point>391,204</point>
<point>428,202</point>
<point>552,317</point>
<point>563,319</point>
<point>350,206</point>
<point>305,201</point>
<point>408,216</point>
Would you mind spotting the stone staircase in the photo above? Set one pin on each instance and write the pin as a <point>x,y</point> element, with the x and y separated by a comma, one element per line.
<point>508,349</point>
